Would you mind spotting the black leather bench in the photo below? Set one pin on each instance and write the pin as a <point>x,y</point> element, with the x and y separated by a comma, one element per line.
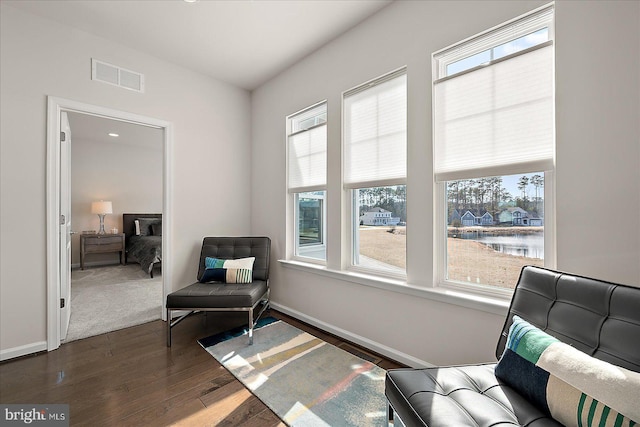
<point>598,318</point>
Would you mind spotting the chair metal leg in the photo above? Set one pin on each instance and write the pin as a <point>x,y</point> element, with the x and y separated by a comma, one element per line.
<point>171,323</point>
<point>250,326</point>
<point>264,307</point>
<point>168,327</point>
<point>392,418</point>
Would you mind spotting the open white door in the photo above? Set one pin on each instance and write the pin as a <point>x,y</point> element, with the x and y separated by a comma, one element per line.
<point>65,224</point>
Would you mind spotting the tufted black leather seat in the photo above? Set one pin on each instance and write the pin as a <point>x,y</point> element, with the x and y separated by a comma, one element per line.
<point>599,318</point>
<point>226,296</point>
<point>459,396</point>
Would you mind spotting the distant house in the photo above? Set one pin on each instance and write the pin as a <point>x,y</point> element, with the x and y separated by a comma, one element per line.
<point>486,219</point>
<point>455,216</point>
<point>468,219</point>
<point>513,216</point>
<point>378,216</point>
<point>476,218</point>
<point>519,217</point>
<point>535,220</point>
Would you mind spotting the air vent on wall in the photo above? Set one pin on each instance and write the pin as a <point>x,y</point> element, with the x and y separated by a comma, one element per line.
<point>118,76</point>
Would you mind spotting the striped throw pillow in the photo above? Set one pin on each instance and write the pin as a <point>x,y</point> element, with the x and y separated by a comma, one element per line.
<point>571,386</point>
<point>228,271</point>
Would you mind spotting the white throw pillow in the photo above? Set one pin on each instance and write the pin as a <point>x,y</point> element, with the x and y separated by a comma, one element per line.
<point>244,263</point>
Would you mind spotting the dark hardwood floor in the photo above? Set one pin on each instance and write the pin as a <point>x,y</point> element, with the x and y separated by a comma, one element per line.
<point>130,378</point>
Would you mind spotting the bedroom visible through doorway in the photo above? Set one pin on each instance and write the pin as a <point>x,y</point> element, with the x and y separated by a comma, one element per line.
<point>117,164</point>
<point>116,169</point>
<point>103,205</point>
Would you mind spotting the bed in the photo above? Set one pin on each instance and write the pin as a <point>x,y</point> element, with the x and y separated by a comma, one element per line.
<point>143,240</point>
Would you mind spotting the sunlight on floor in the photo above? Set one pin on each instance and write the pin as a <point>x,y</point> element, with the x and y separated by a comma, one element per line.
<point>301,415</point>
<point>228,356</point>
<point>255,379</point>
<point>237,362</point>
<point>210,415</point>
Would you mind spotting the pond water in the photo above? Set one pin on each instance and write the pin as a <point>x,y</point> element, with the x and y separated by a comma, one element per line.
<point>530,245</point>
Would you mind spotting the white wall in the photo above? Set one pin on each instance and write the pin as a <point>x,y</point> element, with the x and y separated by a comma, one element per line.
<point>126,172</point>
<point>598,139</point>
<point>597,111</point>
<point>39,58</point>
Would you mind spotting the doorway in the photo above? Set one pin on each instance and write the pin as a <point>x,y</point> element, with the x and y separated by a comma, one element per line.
<point>118,165</point>
<point>57,284</point>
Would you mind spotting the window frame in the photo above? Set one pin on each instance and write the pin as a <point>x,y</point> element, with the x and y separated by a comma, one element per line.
<point>439,69</point>
<point>494,37</point>
<point>323,228</point>
<point>354,236</point>
<point>350,216</point>
<point>292,195</point>
<point>440,236</point>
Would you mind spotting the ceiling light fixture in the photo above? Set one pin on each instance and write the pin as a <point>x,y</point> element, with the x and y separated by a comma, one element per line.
<point>115,135</point>
<point>190,1</point>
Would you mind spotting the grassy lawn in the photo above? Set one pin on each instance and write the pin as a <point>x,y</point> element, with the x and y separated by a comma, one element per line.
<point>469,261</point>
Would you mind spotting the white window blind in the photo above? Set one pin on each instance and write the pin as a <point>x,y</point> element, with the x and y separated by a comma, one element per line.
<point>375,132</point>
<point>496,120</point>
<point>308,152</point>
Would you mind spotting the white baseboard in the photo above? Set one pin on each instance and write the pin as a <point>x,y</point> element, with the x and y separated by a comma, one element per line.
<point>365,342</point>
<point>22,350</point>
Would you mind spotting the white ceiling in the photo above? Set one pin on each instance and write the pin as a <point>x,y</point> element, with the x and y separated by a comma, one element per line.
<point>86,128</point>
<point>242,42</point>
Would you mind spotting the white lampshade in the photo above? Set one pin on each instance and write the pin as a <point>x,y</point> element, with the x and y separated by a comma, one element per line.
<point>101,207</point>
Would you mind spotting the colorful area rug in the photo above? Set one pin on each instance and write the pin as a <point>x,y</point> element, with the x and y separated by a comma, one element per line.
<point>303,379</point>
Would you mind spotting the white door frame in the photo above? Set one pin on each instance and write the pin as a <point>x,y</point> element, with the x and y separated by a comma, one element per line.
<point>65,229</point>
<point>55,106</point>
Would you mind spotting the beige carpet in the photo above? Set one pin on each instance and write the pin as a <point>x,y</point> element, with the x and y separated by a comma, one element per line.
<point>105,299</point>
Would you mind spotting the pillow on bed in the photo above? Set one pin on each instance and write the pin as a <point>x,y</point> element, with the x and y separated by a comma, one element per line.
<point>143,225</point>
<point>228,271</point>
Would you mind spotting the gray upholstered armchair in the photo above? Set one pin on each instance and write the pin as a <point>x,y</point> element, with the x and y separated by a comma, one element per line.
<point>216,296</point>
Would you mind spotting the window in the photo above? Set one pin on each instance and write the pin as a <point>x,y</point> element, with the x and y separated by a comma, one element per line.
<point>497,52</point>
<point>494,153</point>
<point>495,226</point>
<point>379,233</point>
<point>310,216</point>
<point>307,179</point>
<point>375,170</point>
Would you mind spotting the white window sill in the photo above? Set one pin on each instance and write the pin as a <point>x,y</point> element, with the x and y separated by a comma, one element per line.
<point>497,306</point>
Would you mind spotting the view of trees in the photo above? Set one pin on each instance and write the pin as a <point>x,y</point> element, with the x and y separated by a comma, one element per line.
<point>489,195</point>
<point>477,195</point>
<point>392,199</point>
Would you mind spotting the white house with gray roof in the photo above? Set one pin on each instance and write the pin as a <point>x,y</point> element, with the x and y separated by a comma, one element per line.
<point>378,216</point>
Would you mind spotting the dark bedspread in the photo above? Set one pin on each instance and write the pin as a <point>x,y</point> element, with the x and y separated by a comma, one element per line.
<point>147,250</point>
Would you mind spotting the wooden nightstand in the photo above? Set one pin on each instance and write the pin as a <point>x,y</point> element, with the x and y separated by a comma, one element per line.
<point>101,243</point>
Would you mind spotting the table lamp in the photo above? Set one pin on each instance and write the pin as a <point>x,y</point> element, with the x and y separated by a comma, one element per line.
<point>101,208</point>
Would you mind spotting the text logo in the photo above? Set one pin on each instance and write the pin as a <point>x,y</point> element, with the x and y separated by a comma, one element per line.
<point>38,415</point>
